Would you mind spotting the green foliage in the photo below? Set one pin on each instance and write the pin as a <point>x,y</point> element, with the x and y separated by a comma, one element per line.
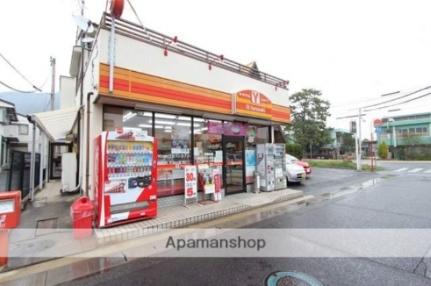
<point>310,112</point>
<point>347,143</point>
<point>294,150</point>
<point>383,150</point>
<point>413,152</point>
<point>412,140</point>
<point>336,164</point>
<point>339,164</point>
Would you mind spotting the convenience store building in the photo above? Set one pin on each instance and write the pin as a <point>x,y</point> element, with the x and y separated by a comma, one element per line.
<point>202,108</point>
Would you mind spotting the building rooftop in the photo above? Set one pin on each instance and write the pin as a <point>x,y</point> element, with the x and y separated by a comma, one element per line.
<point>172,44</point>
<point>413,116</point>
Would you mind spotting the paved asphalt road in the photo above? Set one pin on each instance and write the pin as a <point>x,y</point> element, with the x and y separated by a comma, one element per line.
<point>398,200</point>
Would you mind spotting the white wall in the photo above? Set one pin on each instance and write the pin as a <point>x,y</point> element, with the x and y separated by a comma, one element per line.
<point>67,91</point>
<point>91,79</point>
<point>145,58</point>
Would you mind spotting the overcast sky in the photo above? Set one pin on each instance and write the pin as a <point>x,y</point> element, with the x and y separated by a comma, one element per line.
<point>352,51</point>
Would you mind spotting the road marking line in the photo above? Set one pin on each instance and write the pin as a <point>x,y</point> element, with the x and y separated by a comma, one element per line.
<point>428,171</point>
<point>401,170</point>
<point>415,170</point>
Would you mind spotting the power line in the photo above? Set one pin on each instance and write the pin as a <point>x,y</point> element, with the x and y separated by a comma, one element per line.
<point>15,89</point>
<point>23,76</point>
<point>338,107</point>
<point>402,102</point>
<point>397,98</point>
<point>134,12</point>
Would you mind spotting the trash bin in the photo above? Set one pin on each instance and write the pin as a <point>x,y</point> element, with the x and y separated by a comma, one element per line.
<point>82,212</point>
<point>4,242</point>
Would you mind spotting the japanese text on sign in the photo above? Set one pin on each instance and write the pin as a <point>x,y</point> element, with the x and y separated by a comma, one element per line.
<point>190,182</point>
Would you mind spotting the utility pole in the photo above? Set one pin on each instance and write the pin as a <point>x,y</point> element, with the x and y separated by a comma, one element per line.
<point>52,60</point>
<point>358,144</point>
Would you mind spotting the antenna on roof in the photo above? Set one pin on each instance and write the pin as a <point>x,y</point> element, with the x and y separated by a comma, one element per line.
<point>83,23</point>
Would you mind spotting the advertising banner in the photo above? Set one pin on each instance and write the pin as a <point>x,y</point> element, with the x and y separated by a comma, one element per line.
<point>217,184</point>
<point>206,178</point>
<point>250,165</point>
<point>227,128</point>
<point>234,128</point>
<point>190,183</point>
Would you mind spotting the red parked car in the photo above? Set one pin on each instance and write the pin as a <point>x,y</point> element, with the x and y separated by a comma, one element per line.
<point>303,164</point>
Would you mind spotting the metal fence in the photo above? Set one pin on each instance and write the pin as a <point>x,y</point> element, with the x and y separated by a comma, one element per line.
<point>19,172</point>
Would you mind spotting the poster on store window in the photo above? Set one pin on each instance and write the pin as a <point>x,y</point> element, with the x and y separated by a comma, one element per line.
<point>217,184</point>
<point>207,178</point>
<point>190,184</point>
<point>250,165</point>
<point>180,139</point>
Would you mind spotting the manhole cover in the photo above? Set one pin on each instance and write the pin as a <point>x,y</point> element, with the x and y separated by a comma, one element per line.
<point>291,279</point>
<point>45,226</point>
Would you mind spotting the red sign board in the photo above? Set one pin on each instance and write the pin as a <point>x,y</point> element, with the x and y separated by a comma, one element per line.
<point>377,122</point>
<point>253,103</point>
<point>190,182</point>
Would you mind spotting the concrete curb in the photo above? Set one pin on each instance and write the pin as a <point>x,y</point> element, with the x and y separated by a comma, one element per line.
<point>136,231</point>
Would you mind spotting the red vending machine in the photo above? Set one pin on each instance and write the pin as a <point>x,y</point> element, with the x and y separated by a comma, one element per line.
<point>125,184</point>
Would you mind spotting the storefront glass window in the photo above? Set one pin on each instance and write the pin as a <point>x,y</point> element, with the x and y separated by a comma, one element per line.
<point>255,135</point>
<point>117,117</point>
<point>173,134</point>
<point>207,140</point>
<point>207,150</point>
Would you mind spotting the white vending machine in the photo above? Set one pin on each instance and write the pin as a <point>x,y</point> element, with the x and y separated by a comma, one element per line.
<point>271,166</point>
<point>265,166</point>
<point>280,166</point>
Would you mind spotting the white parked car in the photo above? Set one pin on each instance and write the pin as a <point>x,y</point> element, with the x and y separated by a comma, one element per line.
<point>294,172</point>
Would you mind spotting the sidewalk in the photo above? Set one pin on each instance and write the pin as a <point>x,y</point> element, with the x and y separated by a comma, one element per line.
<point>40,238</point>
<point>48,212</point>
<point>180,216</point>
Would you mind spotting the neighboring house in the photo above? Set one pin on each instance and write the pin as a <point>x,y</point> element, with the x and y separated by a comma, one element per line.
<point>16,134</point>
<point>339,145</point>
<point>411,129</point>
<point>369,148</point>
<point>8,132</point>
<point>407,136</point>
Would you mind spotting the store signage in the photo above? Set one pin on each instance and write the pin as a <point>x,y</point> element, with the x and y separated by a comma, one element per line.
<point>215,127</point>
<point>377,122</point>
<point>146,88</point>
<point>190,183</point>
<point>234,128</point>
<point>252,103</point>
<point>227,128</point>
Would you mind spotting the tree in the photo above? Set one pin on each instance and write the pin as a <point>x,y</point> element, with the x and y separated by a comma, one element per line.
<point>383,150</point>
<point>347,143</point>
<point>294,150</point>
<point>310,112</point>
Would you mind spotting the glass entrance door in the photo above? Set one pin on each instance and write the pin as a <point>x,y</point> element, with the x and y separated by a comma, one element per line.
<point>233,164</point>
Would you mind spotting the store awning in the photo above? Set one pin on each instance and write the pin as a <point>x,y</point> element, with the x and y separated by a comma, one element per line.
<point>57,124</point>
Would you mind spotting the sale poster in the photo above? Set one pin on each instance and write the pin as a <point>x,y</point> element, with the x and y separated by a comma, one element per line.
<point>190,183</point>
